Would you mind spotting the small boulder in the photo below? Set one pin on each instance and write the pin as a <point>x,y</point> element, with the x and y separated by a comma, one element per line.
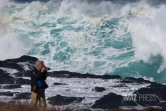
<point>109,101</point>
<point>11,86</point>
<point>56,83</point>
<point>62,100</point>
<point>25,95</point>
<point>6,93</point>
<point>98,89</point>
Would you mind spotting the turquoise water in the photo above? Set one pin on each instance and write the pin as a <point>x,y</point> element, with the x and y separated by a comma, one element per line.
<point>88,37</point>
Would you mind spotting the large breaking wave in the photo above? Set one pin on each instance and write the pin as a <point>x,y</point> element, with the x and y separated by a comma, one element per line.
<point>101,37</point>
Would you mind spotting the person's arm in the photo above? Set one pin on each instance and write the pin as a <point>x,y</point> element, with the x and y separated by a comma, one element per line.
<point>44,75</point>
<point>41,76</point>
<point>36,76</point>
<point>44,72</point>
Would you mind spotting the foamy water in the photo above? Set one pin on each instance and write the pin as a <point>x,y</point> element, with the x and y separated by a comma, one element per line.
<point>87,37</point>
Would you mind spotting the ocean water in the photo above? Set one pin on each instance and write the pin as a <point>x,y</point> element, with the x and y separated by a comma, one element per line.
<point>87,36</point>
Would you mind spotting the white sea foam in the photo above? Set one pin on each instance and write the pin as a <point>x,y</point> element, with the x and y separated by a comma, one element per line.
<point>10,45</point>
<point>25,65</point>
<point>9,70</point>
<point>23,32</point>
<point>148,34</point>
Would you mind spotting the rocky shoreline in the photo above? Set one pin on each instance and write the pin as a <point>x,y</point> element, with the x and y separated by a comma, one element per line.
<point>85,91</point>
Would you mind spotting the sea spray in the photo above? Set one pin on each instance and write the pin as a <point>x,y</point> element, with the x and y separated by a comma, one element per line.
<point>101,37</point>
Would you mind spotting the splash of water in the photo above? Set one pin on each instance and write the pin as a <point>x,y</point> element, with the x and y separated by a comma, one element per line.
<point>87,37</point>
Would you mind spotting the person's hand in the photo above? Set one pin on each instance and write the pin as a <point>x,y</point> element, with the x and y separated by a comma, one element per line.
<point>43,69</point>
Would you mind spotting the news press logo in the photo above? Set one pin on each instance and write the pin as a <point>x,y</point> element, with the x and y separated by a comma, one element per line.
<point>141,97</point>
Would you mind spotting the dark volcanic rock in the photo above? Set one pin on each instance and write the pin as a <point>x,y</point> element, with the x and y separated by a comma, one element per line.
<point>23,74</point>
<point>23,81</point>
<point>135,80</point>
<point>5,78</point>
<point>146,109</point>
<point>109,101</point>
<point>22,96</point>
<point>67,74</point>
<point>6,93</point>
<point>61,100</point>
<point>12,63</point>
<point>85,110</point>
<point>151,95</point>
<point>156,85</point>
<point>163,105</point>
<point>22,59</point>
<point>112,101</point>
<point>98,89</point>
<point>11,86</point>
<point>56,83</point>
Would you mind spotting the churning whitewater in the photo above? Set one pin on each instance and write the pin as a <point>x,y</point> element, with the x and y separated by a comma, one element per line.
<point>104,37</point>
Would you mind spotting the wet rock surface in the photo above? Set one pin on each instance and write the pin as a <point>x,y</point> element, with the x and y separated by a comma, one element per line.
<point>61,100</point>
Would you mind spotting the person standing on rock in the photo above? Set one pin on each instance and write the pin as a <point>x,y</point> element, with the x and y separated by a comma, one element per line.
<point>38,84</point>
